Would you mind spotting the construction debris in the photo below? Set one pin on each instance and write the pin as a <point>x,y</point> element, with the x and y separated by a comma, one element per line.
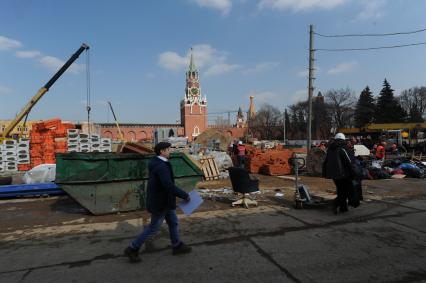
<point>272,161</point>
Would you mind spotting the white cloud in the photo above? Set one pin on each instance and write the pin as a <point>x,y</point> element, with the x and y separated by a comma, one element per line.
<point>221,68</point>
<point>343,68</point>
<point>263,96</point>
<point>172,61</point>
<point>300,5</point>
<point>8,43</point>
<point>54,64</point>
<point>262,67</point>
<point>28,54</point>
<point>4,90</point>
<point>222,5</point>
<point>205,56</point>
<point>300,95</point>
<point>374,9</point>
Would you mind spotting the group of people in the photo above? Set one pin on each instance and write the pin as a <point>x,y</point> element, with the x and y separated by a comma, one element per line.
<point>340,164</point>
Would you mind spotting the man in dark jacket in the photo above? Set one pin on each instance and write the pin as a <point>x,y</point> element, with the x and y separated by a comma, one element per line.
<point>337,166</point>
<point>161,203</point>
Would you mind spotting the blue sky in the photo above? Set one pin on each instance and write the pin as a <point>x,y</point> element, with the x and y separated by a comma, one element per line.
<point>139,52</point>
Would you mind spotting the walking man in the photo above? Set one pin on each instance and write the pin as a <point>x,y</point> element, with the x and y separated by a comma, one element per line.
<point>161,203</point>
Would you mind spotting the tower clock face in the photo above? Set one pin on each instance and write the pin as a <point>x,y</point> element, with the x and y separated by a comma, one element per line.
<point>194,91</point>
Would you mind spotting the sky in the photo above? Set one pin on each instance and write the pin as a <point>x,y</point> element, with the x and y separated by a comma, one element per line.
<point>139,53</point>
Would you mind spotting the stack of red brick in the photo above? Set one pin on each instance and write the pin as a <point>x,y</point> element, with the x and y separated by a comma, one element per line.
<point>270,161</point>
<point>47,138</point>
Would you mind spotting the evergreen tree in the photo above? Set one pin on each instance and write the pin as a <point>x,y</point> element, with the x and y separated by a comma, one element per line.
<point>388,109</point>
<point>365,108</point>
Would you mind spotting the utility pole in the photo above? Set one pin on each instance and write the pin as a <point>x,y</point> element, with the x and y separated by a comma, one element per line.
<point>284,126</point>
<point>310,85</point>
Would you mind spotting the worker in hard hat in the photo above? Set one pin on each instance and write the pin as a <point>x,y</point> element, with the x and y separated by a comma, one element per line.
<point>337,166</point>
<point>241,155</point>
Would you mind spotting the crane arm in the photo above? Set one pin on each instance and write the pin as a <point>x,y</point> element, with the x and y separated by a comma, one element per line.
<point>42,91</point>
<point>116,122</point>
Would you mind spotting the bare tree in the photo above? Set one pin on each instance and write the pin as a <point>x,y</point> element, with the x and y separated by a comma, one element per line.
<point>413,101</point>
<point>341,103</point>
<point>268,122</point>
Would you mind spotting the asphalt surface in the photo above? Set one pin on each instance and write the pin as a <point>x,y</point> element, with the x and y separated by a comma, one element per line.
<point>383,240</point>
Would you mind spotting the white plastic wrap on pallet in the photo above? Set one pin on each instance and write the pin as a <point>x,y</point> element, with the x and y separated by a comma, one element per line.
<point>40,174</point>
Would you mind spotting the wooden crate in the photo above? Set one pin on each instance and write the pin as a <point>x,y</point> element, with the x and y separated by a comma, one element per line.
<point>209,168</point>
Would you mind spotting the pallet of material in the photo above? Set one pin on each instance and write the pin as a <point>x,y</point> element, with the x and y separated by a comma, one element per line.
<point>209,168</point>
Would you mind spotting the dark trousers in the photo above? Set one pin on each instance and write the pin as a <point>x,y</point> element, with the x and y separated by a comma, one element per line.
<point>343,188</point>
<point>240,160</point>
<point>155,225</point>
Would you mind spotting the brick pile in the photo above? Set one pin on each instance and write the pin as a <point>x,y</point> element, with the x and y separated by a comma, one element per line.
<point>271,161</point>
<point>47,138</point>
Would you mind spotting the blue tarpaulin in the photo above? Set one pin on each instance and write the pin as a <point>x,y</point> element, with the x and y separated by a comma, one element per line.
<point>11,191</point>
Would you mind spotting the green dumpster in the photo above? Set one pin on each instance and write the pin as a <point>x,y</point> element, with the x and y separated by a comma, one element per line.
<point>112,182</point>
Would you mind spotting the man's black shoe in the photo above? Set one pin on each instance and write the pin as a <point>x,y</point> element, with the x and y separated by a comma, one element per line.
<point>132,254</point>
<point>181,249</point>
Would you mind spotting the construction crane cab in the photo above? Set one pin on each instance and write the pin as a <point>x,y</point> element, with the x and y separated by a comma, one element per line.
<point>27,108</point>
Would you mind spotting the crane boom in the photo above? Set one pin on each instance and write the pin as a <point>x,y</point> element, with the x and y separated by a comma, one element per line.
<point>42,91</point>
<point>116,123</point>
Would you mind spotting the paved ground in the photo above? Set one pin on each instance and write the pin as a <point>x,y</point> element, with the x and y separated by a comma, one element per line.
<point>384,240</point>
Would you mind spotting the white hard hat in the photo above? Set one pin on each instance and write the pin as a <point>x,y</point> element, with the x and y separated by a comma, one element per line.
<point>240,142</point>
<point>340,136</point>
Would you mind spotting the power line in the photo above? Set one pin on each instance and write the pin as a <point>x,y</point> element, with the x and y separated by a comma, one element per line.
<point>369,48</point>
<point>370,34</point>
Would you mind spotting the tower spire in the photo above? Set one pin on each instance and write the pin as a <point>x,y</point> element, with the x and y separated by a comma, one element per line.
<point>192,67</point>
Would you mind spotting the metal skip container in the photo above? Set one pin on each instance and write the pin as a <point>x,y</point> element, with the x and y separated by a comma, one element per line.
<point>111,182</point>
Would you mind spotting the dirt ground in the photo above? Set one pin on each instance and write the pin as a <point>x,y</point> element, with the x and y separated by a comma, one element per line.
<point>50,211</point>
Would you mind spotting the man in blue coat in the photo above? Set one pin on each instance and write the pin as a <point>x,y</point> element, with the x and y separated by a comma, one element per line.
<point>161,203</point>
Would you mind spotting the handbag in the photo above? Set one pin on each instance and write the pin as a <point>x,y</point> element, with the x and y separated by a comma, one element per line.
<point>356,171</point>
